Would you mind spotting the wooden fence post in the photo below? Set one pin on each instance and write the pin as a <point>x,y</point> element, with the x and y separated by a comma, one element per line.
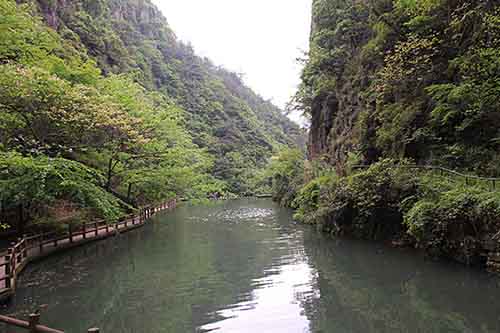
<point>33,321</point>
<point>8,268</point>
<point>84,231</point>
<point>97,229</point>
<point>70,233</point>
<point>13,256</point>
<point>25,247</point>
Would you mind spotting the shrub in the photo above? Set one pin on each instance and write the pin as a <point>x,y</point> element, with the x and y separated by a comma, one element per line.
<point>287,173</point>
<point>306,202</point>
<point>368,204</point>
<point>455,222</point>
<point>37,183</point>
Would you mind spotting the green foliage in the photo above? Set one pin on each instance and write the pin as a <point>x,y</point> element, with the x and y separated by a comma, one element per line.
<point>388,81</point>
<point>222,115</point>
<point>405,79</point>
<point>416,7</point>
<point>368,203</point>
<point>70,135</point>
<point>41,112</point>
<point>287,173</point>
<point>23,39</point>
<point>36,183</point>
<point>443,215</point>
<point>454,222</point>
<point>307,201</point>
<point>60,117</point>
<point>26,41</point>
<point>466,113</point>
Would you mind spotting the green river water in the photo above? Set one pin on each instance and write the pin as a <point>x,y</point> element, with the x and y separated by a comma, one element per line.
<point>245,266</point>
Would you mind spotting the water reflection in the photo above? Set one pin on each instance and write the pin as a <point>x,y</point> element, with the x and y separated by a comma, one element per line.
<point>369,288</point>
<point>242,266</point>
<point>275,305</point>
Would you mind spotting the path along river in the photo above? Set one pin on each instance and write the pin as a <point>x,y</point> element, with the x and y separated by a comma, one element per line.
<point>245,266</point>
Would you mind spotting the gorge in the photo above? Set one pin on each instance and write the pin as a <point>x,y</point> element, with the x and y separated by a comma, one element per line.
<point>380,204</point>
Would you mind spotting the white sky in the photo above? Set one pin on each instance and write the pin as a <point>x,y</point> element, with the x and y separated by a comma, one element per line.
<point>260,38</point>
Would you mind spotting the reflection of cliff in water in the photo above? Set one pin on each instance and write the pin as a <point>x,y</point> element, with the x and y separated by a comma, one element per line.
<point>366,287</point>
<point>245,261</point>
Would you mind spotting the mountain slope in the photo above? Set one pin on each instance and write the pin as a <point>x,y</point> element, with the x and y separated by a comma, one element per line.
<point>224,116</point>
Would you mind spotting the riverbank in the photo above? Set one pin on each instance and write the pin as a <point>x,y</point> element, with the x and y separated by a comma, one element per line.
<point>238,265</point>
<point>442,212</point>
<point>33,248</point>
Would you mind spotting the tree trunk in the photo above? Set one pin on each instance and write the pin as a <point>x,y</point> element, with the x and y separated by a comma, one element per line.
<point>129,192</point>
<point>110,173</point>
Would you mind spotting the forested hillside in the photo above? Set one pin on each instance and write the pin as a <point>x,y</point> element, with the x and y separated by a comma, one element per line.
<point>235,125</point>
<point>391,86</point>
<point>102,109</point>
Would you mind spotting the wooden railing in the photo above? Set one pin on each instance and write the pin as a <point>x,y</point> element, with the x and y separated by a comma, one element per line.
<point>33,325</point>
<point>490,182</point>
<point>29,247</point>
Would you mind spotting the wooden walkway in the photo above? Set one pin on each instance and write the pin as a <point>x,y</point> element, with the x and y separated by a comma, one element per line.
<point>29,248</point>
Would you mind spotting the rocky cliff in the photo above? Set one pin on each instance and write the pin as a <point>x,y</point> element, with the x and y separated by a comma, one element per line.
<point>404,79</point>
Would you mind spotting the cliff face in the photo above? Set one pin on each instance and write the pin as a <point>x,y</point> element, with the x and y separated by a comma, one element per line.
<point>404,79</point>
<point>338,101</point>
<point>234,124</point>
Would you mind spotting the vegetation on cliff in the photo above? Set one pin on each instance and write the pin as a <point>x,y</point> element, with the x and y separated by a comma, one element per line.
<point>405,79</point>
<point>389,84</point>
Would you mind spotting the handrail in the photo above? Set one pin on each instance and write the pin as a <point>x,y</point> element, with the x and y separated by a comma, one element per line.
<point>33,325</point>
<point>491,180</point>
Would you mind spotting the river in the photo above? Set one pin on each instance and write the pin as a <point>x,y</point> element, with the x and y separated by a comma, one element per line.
<point>245,266</point>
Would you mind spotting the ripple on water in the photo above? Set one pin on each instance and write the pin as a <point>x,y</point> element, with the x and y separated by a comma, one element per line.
<point>245,266</point>
<point>244,214</point>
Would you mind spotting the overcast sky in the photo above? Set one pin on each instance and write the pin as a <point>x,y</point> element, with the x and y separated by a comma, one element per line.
<point>260,38</point>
